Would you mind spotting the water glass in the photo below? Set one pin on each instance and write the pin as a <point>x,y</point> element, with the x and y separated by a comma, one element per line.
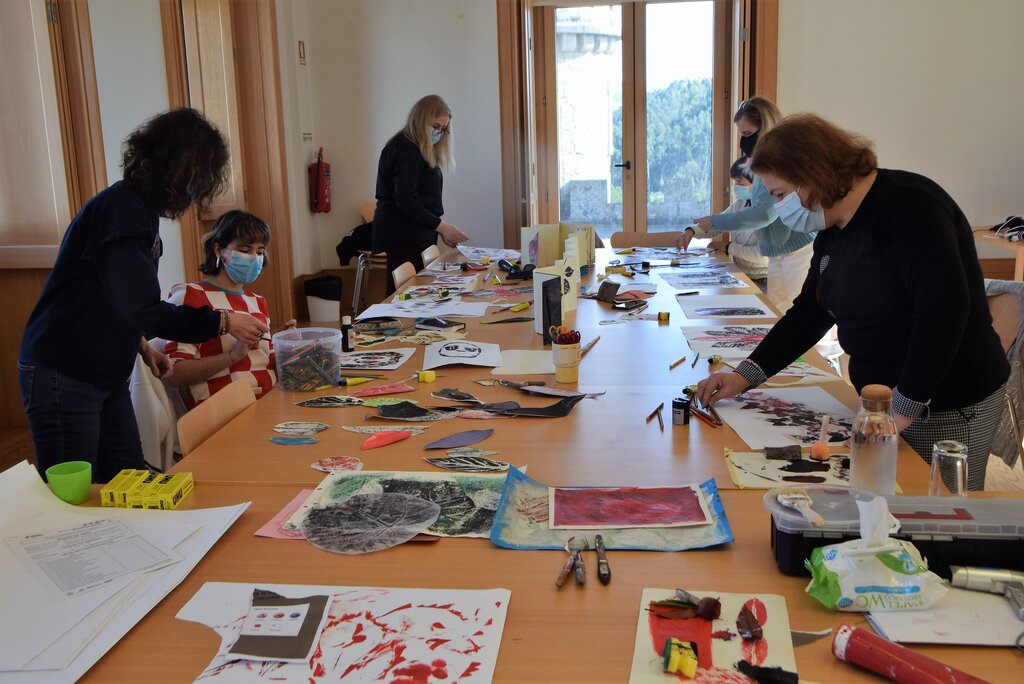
<point>949,469</point>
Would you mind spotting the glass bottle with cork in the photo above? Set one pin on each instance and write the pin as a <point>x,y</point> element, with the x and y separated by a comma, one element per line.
<point>874,442</point>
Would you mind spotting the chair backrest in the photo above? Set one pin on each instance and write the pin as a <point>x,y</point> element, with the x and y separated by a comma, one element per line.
<point>1006,317</point>
<point>403,274</point>
<point>366,210</point>
<point>365,263</point>
<point>624,239</point>
<point>196,426</point>
<point>1006,304</point>
<point>430,254</point>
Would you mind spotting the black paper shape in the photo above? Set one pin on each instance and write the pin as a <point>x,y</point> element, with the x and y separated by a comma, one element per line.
<point>403,409</point>
<point>369,522</point>
<point>460,439</point>
<point>748,626</point>
<point>559,409</point>
<point>453,394</point>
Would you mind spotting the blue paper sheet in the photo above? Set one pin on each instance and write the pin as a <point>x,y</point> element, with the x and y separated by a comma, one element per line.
<point>521,522</point>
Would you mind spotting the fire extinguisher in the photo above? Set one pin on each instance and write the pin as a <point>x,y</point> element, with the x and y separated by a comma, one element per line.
<point>320,185</point>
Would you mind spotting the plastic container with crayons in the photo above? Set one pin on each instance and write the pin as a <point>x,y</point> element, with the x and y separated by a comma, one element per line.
<point>308,358</point>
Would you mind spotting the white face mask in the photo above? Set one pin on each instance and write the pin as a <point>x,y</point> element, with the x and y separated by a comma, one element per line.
<point>741,192</point>
<point>797,217</point>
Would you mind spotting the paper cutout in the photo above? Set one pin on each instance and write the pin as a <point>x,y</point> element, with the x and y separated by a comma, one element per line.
<point>460,439</point>
<point>473,253</point>
<point>364,523</point>
<point>702,279</point>
<point>453,394</point>
<point>406,410</point>
<point>476,414</point>
<point>618,507</point>
<point>725,306</point>
<point>299,428</point>
<point>275,528</point>
<point>469,464</point>
<point>336,464</point>
<point>525,362</point>
<point>383,439</point>
<point>392,388</point>
<point>374,402</point>
<point>779,417</point>
<point>472,451</point>
<point>544,390</point>
<point>380,359</point>
<point>461,352</point>
<point>718,644</point>
<point>800,373</point>
<point>521,522</point>
<point>559,409</point>
<point>728,341</point>
<point>371,634</point>
<point>374,429</point>
<point>467,500</point>
<point>331,401</point>
<point>425,337</point>
<point>294,441</point>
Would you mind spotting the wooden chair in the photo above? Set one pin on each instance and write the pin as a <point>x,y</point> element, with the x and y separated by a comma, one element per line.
<point>365,264</point>
<point>366,210</point>
<point>199,424</point>
<point>403,274</point>
<point>624,239</point>
<point>429,255</point>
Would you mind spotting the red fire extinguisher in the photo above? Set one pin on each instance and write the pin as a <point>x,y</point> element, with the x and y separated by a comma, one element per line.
<point>320,185</point>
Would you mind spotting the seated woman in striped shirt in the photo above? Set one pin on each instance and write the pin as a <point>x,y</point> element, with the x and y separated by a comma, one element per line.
<point>234,252</point>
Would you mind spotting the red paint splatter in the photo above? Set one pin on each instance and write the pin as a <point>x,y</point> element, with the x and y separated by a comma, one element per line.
<point>471,669</point>
<point>434,643</point>
<point>756,651</point>
<point>723,634</point>
<point>395,610</point>
<point>697,630</point>
<point>757,607</point>
<point>420,673</point>
<point>437,625</point>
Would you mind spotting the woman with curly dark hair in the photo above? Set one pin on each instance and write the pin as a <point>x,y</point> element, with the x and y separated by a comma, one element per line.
<point>102,299</point>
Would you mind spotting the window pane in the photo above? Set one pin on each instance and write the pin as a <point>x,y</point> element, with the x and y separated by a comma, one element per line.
<point>588,80</point>
<point>679,70</point>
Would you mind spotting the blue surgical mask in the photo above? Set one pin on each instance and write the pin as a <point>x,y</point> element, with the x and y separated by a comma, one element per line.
<point>435,135</point>
<point>799,218</point>
<point>741,192</point>
<point>241,267</point>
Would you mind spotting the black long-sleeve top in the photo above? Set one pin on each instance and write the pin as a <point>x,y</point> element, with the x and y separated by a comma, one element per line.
<point>103,294</point>
<point>408,196</point>
<point>903,284</point>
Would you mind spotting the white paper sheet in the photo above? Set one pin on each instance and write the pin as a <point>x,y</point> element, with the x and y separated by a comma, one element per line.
<point>751,470</point>
<point>700,279</point>
<point>474,253</point>
<point>401,630</point>
<point>972,618</point>
<point>425,308</point>
<point>725,306</point>
<point>525,362</point>
<point>778,417</point>
<point>452,352</point>
<point>63,639</point>
<point>728,341</point>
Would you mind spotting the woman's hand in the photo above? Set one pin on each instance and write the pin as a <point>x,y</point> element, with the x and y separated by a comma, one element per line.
<point>451,235</point>
<point>718,386</point>
<point>239,350</point>
<point>160,364</point>
<point>719,242</point>
<point>683,241</point>
<point>290,323</point>
<point>246,329</point>
<point>704,223</point>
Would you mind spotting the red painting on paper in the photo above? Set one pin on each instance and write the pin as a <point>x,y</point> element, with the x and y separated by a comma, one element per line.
<point>621,507</point>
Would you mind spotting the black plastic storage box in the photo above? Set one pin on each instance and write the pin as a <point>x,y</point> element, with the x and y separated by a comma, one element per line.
<point>946,530</point>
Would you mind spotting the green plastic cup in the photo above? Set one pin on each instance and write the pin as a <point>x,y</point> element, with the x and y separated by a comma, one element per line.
<point>71,481</point>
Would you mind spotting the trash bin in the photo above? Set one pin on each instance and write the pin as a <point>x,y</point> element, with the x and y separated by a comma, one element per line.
<point>323,296</point>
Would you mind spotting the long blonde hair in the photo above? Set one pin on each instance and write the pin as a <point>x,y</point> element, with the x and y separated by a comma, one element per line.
<point>759,111</point>
<point>417,129</point>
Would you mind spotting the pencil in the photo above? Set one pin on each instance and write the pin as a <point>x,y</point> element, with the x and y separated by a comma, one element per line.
<point>588,346</point>
<point>661,421</point>
<point>714,414</point>
<point>676,363</point>
<point>655,412</point>
<point>702,416</point>
<point>695,358</point>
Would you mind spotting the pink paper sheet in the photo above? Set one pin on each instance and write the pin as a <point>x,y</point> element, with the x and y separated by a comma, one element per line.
<point>273,529</point>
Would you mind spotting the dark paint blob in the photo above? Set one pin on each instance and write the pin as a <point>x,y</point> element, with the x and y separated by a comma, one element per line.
<point>803,466</point>
<point>804,479</point>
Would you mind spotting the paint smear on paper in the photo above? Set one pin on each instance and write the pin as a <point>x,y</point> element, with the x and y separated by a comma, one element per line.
<point>600,507</point>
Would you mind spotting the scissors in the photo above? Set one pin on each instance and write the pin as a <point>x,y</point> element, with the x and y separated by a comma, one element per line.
<point>562,335</point>
<point>556,330</point>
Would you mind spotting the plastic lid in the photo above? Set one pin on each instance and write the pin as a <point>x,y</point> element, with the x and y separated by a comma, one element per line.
<point>837,505</point>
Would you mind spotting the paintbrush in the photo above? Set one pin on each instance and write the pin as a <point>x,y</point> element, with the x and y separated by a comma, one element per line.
<point>797,499</point>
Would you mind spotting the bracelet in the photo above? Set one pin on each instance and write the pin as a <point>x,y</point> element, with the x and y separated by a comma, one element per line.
<point>225,323</point>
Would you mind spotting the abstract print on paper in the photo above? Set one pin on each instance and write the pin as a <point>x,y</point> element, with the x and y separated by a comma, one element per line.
<point>778,417</point>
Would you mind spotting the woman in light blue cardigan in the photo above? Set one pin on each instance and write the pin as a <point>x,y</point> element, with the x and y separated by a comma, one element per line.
<point>788,251</point>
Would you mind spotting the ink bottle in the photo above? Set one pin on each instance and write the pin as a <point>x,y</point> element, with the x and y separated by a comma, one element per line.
<point>348,334</point>
<point>873,443</point>
<point>680,411</point>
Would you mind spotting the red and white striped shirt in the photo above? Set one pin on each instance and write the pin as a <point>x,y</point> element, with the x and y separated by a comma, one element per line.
<point>257,368</point>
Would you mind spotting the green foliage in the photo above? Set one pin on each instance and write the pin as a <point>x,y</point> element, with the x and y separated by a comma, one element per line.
<point>678,141</point>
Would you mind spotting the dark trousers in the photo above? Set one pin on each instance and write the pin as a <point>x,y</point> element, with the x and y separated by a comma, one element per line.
<point>398,253</point>
<point>72,420</point>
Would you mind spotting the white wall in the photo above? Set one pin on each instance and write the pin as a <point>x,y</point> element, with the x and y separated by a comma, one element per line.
<point>367,62</point>
<point>935,83</point>
<point>132,83</point>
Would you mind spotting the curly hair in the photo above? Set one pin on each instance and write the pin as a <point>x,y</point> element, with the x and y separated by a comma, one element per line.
<point>816,155</point>
<point>175,160</point>
<point>416,129</point>
<point>230,226</point>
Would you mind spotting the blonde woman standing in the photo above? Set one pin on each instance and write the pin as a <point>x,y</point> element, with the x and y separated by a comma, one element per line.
<point>788,249</point>
<point>409,184</point>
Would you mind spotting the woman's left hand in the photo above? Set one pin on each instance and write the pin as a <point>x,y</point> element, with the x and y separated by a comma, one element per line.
<point>704,223</point>
<point>160,364</point>
<point>902,422</point>
<point>451,235</point>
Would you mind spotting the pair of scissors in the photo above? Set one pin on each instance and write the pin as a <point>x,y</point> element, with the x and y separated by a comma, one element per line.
<point>556,330</point>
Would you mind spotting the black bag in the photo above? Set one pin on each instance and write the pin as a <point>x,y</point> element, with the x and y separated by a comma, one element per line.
<point>360,239</point>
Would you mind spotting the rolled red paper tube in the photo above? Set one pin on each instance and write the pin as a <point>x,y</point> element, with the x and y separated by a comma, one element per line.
<point>894,662</point>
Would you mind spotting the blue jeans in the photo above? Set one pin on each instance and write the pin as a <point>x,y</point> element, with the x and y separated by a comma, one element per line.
<point>72,420</point>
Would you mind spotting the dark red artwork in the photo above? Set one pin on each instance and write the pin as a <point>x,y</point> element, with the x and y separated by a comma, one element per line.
<point>600,507</point>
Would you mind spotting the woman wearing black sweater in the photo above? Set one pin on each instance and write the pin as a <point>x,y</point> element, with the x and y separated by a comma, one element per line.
<point>409,182</point>
<point>898,274</point>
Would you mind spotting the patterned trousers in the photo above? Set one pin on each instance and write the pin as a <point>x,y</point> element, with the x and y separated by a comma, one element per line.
<point>974,426</point>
